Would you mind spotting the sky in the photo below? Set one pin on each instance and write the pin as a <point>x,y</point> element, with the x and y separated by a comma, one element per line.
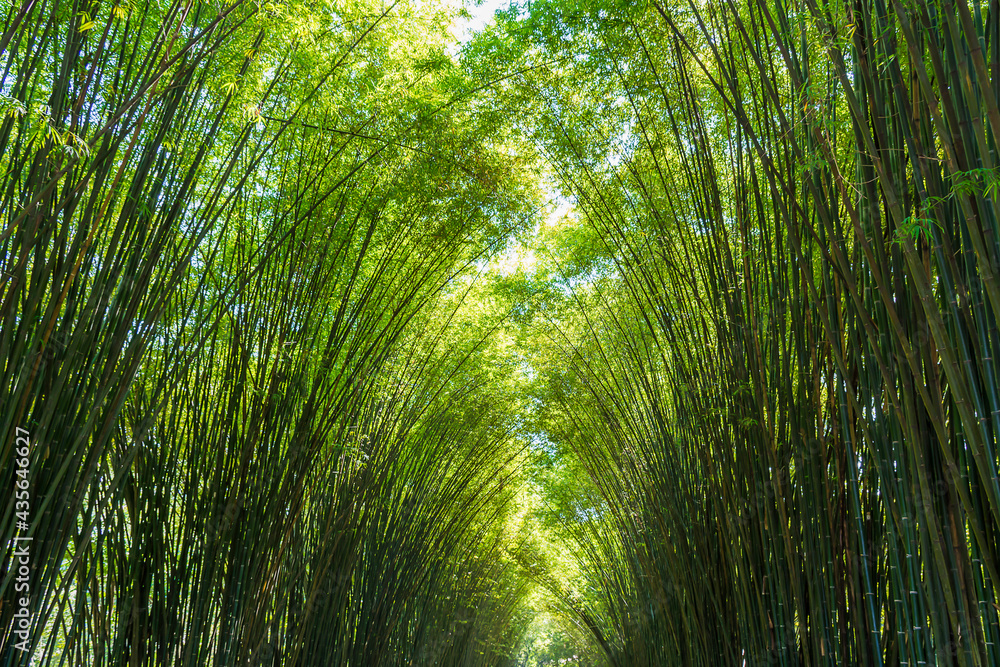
<point>481,16</point>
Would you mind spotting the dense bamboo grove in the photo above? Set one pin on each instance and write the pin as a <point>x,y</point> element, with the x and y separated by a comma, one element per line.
<point>785,395</point>
<point>229,291</point>
<point>738,405</point>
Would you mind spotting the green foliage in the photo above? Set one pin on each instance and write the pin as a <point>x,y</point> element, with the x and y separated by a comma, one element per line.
<point>780,414</point>
<point>315,377</point>
<point>237,254</point>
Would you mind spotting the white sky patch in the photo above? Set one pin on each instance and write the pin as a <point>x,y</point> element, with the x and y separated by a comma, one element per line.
<point>521,257</point>
<point>517,258</point>
<point>481,16</point>
<point>559,212</point>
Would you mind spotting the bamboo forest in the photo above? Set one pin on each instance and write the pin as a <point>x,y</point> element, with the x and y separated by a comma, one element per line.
<point>499,333</point>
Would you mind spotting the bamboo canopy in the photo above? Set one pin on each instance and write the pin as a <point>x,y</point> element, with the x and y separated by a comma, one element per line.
<point>619,334</point>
